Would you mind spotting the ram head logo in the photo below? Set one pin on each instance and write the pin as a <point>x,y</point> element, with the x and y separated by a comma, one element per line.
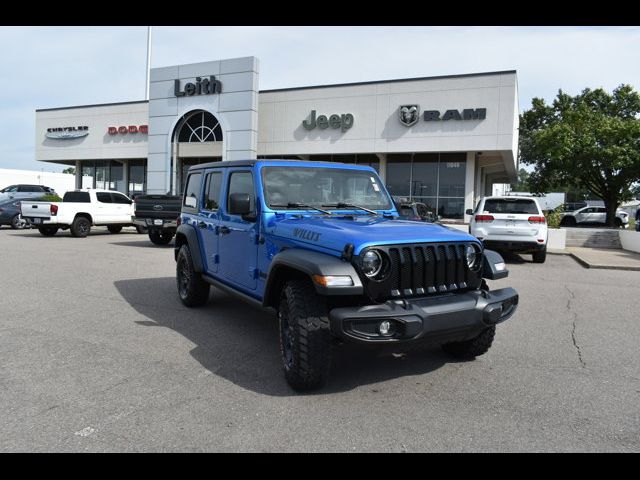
<point>409,114</point>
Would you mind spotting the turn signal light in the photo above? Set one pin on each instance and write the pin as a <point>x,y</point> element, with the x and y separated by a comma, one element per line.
<point>53,209</point>
<point>484,218</point>
<point>537,220</point>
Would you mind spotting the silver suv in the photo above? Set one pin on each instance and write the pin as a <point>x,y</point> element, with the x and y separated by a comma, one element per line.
<point>593,215</point>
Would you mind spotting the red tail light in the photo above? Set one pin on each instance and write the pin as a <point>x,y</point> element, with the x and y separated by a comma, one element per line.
<point>484,218</point>
<point>53,209</point>
<point>537,220</point>
<point>179,221</point>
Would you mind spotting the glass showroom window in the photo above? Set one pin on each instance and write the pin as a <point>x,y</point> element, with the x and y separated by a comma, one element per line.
<point>87,173</point>
<point>116,176</point>
<point>398,177</point>
<point>136,176</point>
<point>435,179</point>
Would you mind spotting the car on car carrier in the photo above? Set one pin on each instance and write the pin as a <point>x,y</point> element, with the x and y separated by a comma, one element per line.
<point>322,245</point>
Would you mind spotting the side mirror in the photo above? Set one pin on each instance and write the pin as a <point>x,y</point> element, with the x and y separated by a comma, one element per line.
<point>240,204</point>
<point>469,211</point>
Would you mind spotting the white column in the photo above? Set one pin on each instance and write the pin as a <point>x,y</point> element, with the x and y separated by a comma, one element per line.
<point>469,184</point>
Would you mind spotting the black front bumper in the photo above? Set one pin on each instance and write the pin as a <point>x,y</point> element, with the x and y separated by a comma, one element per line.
<point>514,246</point>
<point>446,318</point>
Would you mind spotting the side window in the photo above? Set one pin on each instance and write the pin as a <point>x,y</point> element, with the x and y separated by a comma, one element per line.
<point>119,198</point>
<point>214,185</point>
<point>242,182</point>
<point>103,197</point>
<point>192,192</point>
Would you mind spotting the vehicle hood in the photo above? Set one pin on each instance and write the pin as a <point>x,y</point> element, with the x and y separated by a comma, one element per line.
<point>362,231</point>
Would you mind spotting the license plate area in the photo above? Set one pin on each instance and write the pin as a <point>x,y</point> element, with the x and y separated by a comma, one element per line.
<point>157,221</point>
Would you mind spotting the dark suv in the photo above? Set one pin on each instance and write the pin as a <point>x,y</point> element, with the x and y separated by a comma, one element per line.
<point>322,245</point>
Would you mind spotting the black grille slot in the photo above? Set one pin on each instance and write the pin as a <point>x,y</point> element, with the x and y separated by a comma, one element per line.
<point>424,269</point>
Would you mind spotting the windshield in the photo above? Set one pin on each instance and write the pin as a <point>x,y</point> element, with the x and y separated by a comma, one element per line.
<point>321,185</point>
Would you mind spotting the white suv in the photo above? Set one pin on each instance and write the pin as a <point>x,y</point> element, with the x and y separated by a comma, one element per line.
<point>510,223</point>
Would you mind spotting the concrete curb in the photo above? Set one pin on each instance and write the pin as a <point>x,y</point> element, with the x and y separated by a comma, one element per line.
<point>602,266</point>
<point>586,264</point>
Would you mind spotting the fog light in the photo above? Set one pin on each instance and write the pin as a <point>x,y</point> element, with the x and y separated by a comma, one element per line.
<point>385,327</point>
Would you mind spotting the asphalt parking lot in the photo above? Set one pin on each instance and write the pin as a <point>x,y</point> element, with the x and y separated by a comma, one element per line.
<point>98,354</point>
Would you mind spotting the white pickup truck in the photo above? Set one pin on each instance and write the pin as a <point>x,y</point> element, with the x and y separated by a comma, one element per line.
<point>78,211</point>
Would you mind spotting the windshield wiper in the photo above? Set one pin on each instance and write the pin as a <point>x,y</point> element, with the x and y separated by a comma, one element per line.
<point>351,205</point>
<point>301,205</point>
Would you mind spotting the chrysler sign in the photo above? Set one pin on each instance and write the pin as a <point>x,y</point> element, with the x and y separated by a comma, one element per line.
<point>65,133</point>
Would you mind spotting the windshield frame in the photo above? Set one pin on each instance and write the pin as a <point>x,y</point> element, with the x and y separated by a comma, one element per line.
<point>389,207</point>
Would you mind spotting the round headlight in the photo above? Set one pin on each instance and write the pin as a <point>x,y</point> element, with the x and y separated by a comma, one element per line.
<point>472,253</point>
<point>371,263</point>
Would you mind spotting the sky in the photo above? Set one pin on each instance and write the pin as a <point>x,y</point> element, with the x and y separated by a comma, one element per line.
<point>46,67</point>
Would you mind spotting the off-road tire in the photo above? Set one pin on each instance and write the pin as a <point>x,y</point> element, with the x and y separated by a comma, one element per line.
<point>162,238</point>
<point>48,231</point>
<point>619,223</point>
<point>114,228</point>
<point>470,349</point>
<point>305,339</point>
<point>80,227</point>
<point>192,289</point>
<point>539,257</point>
<point>568,222</point>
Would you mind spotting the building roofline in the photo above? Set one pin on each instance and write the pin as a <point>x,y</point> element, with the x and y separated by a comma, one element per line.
<point>393,80</point>
<point>90,106</point>
<point>333,85</point>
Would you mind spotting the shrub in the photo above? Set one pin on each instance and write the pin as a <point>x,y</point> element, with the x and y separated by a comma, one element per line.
<point>49,198</point>
<point>553,218</point>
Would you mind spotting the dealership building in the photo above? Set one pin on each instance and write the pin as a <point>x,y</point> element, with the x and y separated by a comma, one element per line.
<point>443,141</point>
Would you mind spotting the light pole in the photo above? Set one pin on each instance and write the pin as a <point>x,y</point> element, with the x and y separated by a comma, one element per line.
<point>146,88</point>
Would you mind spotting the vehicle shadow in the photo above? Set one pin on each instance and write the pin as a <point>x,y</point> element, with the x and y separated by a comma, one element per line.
<point>241,343</point>
<point>515,258</point>
<point>143,242</point>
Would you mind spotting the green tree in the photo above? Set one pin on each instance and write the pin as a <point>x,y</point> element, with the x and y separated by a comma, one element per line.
<point>71,170</point>
<point>590,141</point>
<point>522,185</point>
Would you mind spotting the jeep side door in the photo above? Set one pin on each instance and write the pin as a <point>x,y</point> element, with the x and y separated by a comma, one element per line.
<point>209,221</point>
<point>238,244</point>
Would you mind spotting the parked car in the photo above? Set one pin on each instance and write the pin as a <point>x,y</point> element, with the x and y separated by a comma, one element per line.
<point>571,206</point>
<point>320,243</point>
<point>593,216</point>
<point>416,211</point>
<point>10,215</point>
<point>79,211</point>
<point>25,191</point>
<point>158,214</point>
<point>510,223</point>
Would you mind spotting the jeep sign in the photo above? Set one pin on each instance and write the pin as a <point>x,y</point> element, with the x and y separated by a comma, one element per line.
<point>335,121</point>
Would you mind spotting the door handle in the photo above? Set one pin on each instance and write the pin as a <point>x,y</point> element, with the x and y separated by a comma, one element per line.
<point>202,225</point>
<point>224,230</point>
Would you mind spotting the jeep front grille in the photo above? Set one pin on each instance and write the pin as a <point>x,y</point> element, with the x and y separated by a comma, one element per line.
<point>423,269</point>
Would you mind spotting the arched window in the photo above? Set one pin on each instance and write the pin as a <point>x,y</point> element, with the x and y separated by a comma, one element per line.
<point>199,126</point>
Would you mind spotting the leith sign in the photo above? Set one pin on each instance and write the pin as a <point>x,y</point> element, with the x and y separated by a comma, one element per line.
<point>203,86</point>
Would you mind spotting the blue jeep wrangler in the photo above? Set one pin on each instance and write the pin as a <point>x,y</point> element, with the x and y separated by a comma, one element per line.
<point>322,245</point>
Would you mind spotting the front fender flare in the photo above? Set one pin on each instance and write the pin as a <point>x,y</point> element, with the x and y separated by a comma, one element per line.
<point>311,263</point>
